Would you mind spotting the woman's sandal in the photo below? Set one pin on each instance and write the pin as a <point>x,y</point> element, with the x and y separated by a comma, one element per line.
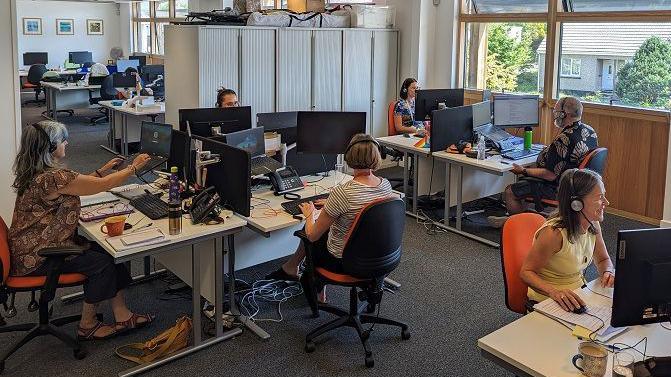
<point>132,323</point>
<point>89,334</point>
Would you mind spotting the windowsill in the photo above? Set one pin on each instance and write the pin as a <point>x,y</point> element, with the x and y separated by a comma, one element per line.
<point>569,77</point>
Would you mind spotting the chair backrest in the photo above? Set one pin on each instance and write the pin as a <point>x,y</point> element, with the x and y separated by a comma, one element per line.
<point>373,244</point>
<point>35,73</point>
<point>107,90</point>
<point>516,239</point>
<point>595,160</point>
<point>391,128</point>
<point>4,251</point>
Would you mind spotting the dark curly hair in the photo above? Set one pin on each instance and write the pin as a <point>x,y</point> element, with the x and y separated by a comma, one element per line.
<point>221,93</point>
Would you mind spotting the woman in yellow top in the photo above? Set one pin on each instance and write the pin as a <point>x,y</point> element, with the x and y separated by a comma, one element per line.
<point>569,241</point>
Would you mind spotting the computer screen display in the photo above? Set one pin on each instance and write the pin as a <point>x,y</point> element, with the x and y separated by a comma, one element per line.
<point>450,126</point>
<point>180,156</point>
<point>251,140</point>
<point>123,64</point>
<point>428,100</point>
<point>515,111</point>
<point>155,138</point>
<point>482,113</point>
<point>284,123</point>
<point>80,57</point>
<point>123,80</point>
<point>642,292</point>
<point>201,121</point>
<point>142,59</point>
<point>30,58</point>
<point>151,72</point>
<point>327,132</point>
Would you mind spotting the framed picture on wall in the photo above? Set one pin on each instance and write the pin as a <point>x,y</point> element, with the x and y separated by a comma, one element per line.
<point>94,27</point>
<point>65,26</point>
<point>32,26</point>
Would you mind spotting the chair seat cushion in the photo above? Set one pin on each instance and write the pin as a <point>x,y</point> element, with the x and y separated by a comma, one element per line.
<point>28,85</point>
<point>338,278</point>
<point>22,282</point>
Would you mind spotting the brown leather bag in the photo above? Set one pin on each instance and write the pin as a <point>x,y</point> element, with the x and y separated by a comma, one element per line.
<point>162,345</point>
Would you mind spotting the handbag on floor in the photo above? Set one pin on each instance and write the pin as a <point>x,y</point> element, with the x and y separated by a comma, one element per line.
<point>162,345</point>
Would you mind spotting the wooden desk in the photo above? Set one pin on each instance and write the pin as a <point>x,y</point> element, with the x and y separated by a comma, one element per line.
<point>125,112</point>
<point>52,90</point>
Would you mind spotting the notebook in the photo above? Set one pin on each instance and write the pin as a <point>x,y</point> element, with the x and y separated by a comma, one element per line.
<point>132,190</point>
<point>99,198</point>
<point>151,236</point>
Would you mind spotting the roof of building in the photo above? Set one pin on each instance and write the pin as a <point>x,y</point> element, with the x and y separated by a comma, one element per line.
<point>611,39</point>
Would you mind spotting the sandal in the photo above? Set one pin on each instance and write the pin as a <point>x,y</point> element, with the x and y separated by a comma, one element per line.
<point>132,323</point>
<point>89,334</point>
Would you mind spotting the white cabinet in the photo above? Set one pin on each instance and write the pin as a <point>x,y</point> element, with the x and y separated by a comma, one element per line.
<point>327,70</point>
<point>385,79</point>
<point>257,76</point>
<point>357,71</point>
<point>219,62</point>
<point>294,70</point>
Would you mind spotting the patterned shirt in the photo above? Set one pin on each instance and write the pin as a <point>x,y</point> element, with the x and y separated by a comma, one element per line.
<point>39,222</point>
<point>568,149</point>
<point>344,204</point>
<point>406,109</point>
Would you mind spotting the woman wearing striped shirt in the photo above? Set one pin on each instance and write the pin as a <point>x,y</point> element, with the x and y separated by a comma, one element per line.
<point>328,227</point>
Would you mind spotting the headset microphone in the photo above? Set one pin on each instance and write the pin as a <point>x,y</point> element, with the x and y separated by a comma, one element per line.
<point>591,226</point>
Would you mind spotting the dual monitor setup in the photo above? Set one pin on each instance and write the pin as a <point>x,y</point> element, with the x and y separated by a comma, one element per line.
<point>79,58</point>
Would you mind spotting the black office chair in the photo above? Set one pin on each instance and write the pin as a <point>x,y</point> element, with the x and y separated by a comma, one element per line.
<point>35,73</point>
<point>99,80</point>
<point>372,251</point>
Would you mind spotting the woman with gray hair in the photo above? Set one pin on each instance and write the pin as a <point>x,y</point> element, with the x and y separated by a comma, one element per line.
<point>46,214</point>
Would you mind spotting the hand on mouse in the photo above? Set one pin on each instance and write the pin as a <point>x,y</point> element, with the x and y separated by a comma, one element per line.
<point>319,203</point>
<point>567,299</point>
<point>607,279</point>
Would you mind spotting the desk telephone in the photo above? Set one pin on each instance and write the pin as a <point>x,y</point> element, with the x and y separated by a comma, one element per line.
<point>285,180</point>
<point>203,204</point>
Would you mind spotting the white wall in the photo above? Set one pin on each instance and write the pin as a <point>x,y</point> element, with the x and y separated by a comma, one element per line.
<point>58,46</point>
<point>125,28</point>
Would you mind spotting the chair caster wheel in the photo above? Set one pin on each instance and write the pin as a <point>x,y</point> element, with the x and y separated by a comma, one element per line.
<point>310,347</point>
<point>79,354</point>
<point>370,362</point>
<point>405,334</point>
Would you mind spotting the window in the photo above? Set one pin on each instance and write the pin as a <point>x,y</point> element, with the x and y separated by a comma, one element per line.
<point>506,6</point>
<point>570,67</point>
<point>181,8</point>
<point>149,21</point>
<point>614,5</point>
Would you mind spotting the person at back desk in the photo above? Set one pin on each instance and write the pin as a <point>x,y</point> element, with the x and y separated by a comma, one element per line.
<point>227,98</point>
<point>568,242</point>
<point>566,151</point>
<point>404,111</point>
<point>46,214</point>
<point>328,227</point>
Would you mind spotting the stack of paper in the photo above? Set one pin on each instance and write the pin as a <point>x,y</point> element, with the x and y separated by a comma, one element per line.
<point>147,237</point>
<point>596,319</point>
<point>99,198</point>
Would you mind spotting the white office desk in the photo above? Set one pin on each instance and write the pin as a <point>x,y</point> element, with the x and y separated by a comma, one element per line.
<point>198,239</point>
<point>62,72</point>
<point>124,113</point>
<point>536,345</point>
<point>70,93</point>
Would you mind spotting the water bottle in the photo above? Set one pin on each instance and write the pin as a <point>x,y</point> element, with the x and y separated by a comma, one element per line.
<point>528,136</point>
<point>174,204</point>
<point>481,148</point>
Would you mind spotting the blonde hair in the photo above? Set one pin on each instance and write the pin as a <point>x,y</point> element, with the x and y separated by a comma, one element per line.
<point>363,153</point>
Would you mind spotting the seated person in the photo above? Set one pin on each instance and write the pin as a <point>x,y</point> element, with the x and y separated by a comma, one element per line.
<point>404,111</point>
<point>127,94</point>
<point>227,98</point>
<point>566,151</point>
<point>329,226</point>
<point>99,70</point>
<point>46,214</point>
<point>568,242</point>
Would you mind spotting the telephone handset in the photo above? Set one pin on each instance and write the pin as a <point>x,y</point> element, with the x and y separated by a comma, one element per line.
<point>285,180</point>
<point>203,204</point>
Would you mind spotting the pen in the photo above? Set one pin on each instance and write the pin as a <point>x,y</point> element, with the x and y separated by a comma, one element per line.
<point>142,227</point>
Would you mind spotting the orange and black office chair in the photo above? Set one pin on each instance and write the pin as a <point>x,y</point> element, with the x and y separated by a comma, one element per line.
<point>33,79</point>
<point>55,256</point>
<point>372,251</point>
<point>595,160</point>
<point>391,127</point>
<point>516,240</point>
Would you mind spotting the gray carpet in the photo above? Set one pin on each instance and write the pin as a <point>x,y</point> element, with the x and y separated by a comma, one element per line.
<point>452,295</point>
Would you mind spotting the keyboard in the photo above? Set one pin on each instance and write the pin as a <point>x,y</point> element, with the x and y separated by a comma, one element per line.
<point>519,154</point>
<point>263,164</point>
<point>151,206</point>
<point>291,207</point>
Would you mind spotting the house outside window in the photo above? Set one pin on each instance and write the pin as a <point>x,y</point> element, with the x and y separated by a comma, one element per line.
<point>570,67</point>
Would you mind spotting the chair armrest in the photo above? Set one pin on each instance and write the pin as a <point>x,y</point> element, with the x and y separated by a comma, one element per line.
<point>61,251</point>
<point>302,235</point>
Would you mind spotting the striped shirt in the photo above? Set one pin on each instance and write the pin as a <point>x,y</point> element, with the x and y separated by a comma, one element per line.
<point>344,203</point>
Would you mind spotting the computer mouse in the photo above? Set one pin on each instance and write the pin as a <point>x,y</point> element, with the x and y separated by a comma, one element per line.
<point>580,310</point>
<point>406,135</point>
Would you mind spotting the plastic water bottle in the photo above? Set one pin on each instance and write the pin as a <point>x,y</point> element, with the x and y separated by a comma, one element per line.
<point>481,148</point>
<point>174,204</point>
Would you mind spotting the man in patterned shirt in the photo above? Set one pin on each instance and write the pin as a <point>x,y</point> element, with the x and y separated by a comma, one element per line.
<point>566,151</point>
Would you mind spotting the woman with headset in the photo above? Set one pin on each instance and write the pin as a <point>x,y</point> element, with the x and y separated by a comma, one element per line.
<point>569,242</point>
<point>404,111</point>
<point>46,214</point>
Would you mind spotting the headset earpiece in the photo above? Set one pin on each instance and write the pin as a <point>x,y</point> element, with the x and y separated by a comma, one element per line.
<point>404,90</point>
<point>368,139</point>
<point>562,113</point>
<point>576,203</point>
<point>52,146</point>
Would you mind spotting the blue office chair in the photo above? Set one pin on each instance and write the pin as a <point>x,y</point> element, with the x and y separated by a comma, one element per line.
<point>107,93</point>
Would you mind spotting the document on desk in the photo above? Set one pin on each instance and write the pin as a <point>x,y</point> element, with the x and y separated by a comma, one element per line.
<point>99,198</point>
<point>147,237</point>
<point>596,319</point>
<point>132,190</point>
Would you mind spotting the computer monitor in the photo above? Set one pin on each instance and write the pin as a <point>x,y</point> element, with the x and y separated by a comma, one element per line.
<point>150,72</point>
<point>123,64</point>
<point>251,140</point>
<point>30,58</point>
<point>643,277</point>
<point>155,138</point>
<point>450,126</point>
<point>123,80</point>
<point>142,59</point>
<point>229,119</point>
<point>482,113</point>
<point>515,110</point>
<point>284,123</point>
<point>80,57</point>
<point>231,176</point>
<point>327,132</point>
<point>180,155</point>
<point>427,100</point>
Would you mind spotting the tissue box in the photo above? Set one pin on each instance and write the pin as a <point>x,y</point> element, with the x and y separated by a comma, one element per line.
<point>306,5</point>
<point>373,16</point>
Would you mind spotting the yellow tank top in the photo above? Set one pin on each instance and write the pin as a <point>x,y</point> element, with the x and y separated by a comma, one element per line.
<point>564,269</point>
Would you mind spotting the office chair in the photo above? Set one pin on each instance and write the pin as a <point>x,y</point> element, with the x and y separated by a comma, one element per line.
<point>99,80</point>
<point>10,285</point>
<point>516,239</point>
<point>595,160</point>
<point>372,251</point>
<point>35,73</point>
<point>396,155</point>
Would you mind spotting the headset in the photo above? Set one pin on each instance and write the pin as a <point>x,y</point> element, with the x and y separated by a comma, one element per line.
<point>562,113</point>
<point>52,146</point>
<point>577,205</point>
<point>368,139</point>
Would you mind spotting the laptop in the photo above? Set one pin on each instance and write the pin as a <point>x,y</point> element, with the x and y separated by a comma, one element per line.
<point>252,141</point>
<point>155,139</point>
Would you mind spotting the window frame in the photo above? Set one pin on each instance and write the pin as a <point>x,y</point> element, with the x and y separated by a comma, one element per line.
<point>572,64</point>
<point>136,20</point>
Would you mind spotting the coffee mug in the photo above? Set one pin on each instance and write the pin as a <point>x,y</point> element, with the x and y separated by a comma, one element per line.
<point>594,359</point>
<point>113,226</point>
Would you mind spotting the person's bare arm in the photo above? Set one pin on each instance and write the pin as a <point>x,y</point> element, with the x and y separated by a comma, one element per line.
<point>602,260</point>
<point>314,229</point>
<point>541,173</point>
<point>400,128</point>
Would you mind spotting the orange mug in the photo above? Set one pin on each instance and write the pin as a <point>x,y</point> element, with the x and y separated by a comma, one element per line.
<point>114,225</point>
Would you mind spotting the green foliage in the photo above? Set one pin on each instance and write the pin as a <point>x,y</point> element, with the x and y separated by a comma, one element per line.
<point>527,81</point>
<point>646,80</point>
<point>499,77</point>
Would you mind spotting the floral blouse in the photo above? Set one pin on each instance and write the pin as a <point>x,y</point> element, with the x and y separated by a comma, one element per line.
<point>406,109</point>
<point>568,149</point>
<point>39,223</point>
